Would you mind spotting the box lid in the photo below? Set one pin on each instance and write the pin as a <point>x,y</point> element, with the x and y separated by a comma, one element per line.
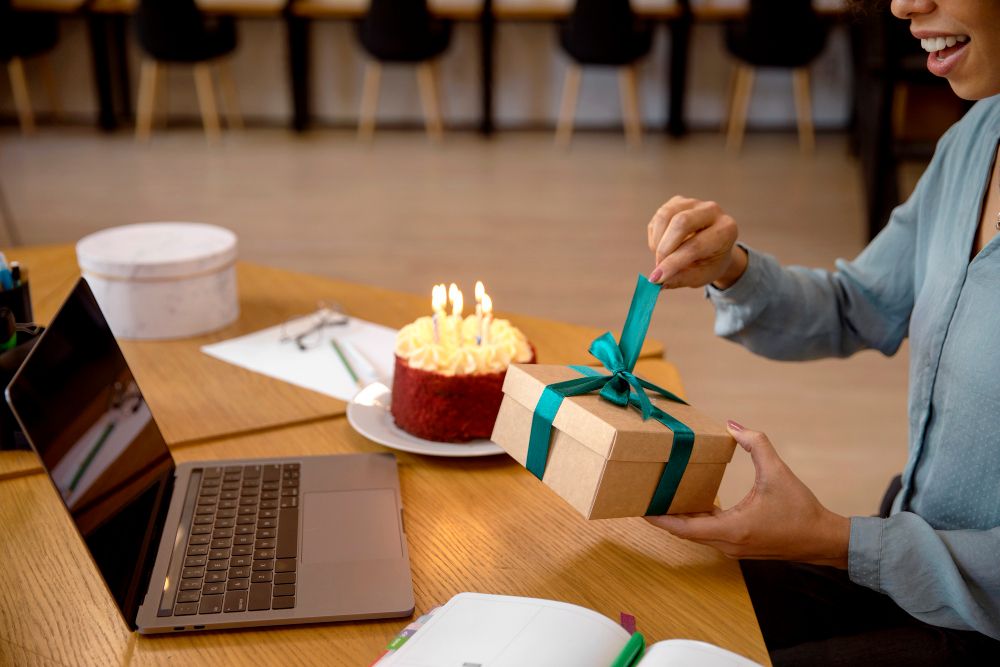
<point>156,250</point>
<point>617,433</point>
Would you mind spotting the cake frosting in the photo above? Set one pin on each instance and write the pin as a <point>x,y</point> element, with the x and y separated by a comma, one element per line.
<point>457,351</point>
<point>449,387</point>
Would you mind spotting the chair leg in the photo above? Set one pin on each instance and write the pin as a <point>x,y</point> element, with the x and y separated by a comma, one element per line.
<point>147,99</point>
<point>230,97</point>
<point>567,109</point>
<point>427,83</point>
<point>369,101</point>
<point>206,101</point>
<point>51,90</point>
<point>630,105</point>
<point>22,100</point>
<point>162,109</point>
<point>734,76</point>
<point>741,102</point>
<point>803,110</point>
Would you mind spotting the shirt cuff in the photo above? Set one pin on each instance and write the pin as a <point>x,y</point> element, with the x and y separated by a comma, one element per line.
<point>739,304</point>
<point>744,286</point>
<point>864,554</point>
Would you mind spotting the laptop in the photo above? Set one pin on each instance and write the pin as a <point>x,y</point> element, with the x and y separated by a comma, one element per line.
<point>212,544</point>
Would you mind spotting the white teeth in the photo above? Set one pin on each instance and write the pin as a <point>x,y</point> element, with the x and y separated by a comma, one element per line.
<point>935,44</point>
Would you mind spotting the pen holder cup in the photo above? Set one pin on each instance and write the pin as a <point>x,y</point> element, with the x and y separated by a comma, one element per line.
<point>10,360</point>
<point>18,299</point>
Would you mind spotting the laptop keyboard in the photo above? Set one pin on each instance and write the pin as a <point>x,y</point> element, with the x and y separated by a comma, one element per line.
<point>243,540</point>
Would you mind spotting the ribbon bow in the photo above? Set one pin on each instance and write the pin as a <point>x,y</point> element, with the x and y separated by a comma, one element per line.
<point>623,388</point>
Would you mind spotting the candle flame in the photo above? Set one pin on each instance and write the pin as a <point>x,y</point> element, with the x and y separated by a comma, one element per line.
<point>457,301</point>
<point>487,304</point>
<point>480,291</point>
<point>439,298</point>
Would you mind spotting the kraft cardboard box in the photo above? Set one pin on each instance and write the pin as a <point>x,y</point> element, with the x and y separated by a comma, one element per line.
<point>605,460</point>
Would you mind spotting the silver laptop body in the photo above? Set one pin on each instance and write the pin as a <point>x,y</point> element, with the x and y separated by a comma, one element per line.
<point>204,545</point>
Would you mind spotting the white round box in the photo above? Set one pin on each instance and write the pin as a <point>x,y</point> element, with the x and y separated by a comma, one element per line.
<point>158,280</point>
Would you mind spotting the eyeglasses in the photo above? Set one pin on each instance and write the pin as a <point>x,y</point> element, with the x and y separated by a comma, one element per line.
<point>307,332</point>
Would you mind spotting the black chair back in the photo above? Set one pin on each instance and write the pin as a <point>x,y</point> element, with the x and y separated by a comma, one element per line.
<point>402,30</point>
<point>777,33</point>
<point>605,32</point>
<point>176,30</point>
<point>26,34</point>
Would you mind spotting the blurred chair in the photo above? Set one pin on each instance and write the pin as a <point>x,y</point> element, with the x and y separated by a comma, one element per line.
<point>402,31</point>
<point>775,33</point>
<point>26,35</point>
<point>175,31</point>
<point>605,33</point>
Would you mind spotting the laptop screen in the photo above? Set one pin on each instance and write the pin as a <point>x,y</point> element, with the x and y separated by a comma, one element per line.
<point>83,413</point>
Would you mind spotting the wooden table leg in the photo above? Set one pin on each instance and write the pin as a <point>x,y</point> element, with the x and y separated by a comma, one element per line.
<point>487,33</point>
<point>97,31</point>
<point>677,61</point>
<point>298,67</point>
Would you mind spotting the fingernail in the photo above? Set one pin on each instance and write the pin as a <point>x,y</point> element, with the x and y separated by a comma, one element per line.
<point>656,275</point>
<point>736,426</point>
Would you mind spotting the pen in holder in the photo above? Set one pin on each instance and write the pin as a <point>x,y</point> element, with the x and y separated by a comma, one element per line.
<point>18,299</point>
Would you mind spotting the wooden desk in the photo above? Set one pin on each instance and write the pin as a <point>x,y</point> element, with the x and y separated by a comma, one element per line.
<point>244,8</point>
<point>472,524</point>
<point>196,397</point>
<point>54,6</point>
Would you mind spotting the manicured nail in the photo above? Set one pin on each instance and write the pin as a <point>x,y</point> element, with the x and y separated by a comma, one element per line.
<point>736,426</point>
<point>655,276</point>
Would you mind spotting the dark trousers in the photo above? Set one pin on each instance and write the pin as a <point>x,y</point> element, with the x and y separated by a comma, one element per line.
<point>813,615</point>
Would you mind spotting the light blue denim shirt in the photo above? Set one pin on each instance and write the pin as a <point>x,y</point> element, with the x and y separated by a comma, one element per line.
<point>938,555</point>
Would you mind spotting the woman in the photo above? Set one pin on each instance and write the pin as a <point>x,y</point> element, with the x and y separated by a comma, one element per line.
<point>923,585</point>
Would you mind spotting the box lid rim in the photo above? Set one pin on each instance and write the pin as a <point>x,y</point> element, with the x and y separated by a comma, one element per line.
<point>153,250</point>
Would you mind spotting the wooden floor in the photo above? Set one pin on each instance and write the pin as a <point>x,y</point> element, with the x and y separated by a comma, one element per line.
<point>554,233</point>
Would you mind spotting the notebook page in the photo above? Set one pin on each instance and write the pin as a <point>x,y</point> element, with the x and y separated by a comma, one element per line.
<point>478,630</point>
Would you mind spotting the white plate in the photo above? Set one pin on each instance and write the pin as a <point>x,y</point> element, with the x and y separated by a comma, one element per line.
<point>368,412</point>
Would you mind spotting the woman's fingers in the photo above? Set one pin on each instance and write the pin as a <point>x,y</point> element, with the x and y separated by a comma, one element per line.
<point>718,527</point>
<point>683,224</point>
<point>704,250</point>
<point>662,217</point>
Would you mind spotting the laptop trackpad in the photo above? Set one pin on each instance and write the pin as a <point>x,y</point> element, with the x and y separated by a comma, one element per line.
<point>356,525</point>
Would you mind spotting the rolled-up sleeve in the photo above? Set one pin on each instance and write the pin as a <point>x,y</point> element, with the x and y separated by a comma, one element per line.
<point>949,578</point>
<point>797,313</point>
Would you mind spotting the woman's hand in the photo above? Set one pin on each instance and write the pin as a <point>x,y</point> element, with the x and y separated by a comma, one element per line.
<point>695,244</point>
<point>779,519</point>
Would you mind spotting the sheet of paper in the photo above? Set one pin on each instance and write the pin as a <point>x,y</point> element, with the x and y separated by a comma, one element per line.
<point>502,631</point>
<point>318,367</point>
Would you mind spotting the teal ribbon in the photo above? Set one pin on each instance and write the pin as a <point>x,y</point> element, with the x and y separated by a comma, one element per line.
<point>623,388</point>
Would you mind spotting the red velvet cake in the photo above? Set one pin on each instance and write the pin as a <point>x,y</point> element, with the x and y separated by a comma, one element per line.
<point>448,387</point>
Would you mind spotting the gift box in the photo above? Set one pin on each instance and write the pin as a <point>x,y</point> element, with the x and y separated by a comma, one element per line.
<point>608,442</point>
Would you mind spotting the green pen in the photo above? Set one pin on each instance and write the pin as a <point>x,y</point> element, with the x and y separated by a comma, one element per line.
<point>343,359</point>
<point>632,651</point>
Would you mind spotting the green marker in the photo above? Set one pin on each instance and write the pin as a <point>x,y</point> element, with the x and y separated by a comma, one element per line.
<point>632,651</point>
<point>8,329</point>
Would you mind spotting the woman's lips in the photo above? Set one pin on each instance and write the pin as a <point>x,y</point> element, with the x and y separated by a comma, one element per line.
<point>941,63</point>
